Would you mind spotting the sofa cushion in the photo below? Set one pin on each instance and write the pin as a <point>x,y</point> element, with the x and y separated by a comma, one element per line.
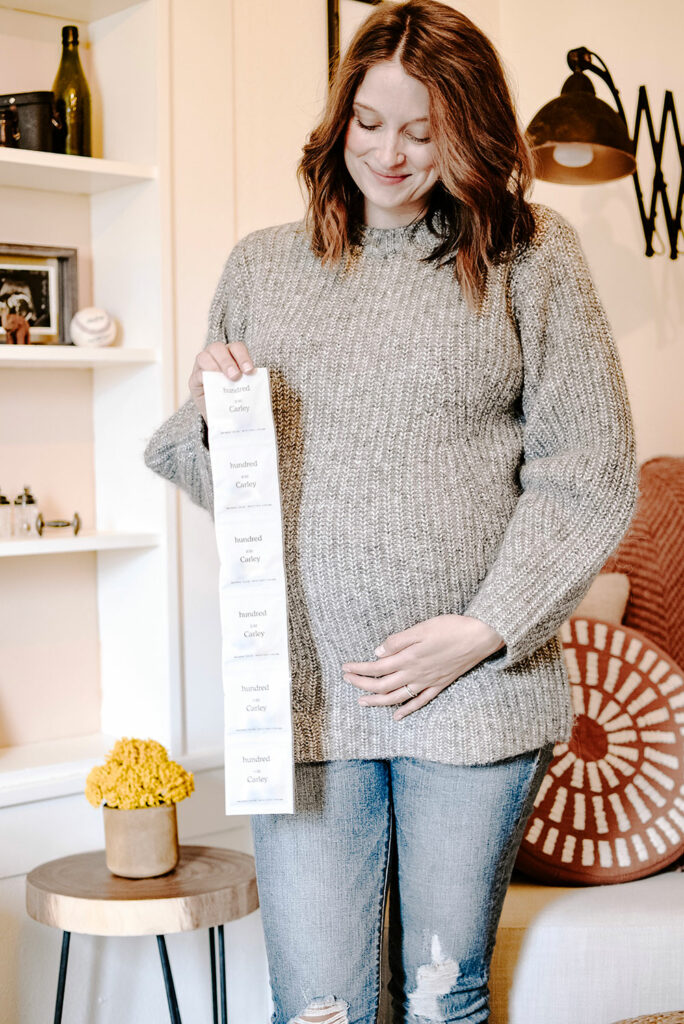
<point>588,955</point>
<point>606,598</point>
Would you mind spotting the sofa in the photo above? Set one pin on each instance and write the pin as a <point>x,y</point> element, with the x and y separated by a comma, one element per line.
<point>600,954</point>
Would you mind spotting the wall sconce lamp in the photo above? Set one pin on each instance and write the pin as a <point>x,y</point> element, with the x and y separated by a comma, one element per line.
<point>577,139</point>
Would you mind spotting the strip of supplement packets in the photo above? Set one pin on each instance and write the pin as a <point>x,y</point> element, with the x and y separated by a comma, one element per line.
<point>252,592</point>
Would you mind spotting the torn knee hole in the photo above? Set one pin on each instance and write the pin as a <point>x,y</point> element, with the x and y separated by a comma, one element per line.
<point>324,1011</point>
<point>432,982</point>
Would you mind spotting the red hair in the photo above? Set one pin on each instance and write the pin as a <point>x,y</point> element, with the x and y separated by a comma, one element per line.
<point>477,210</point>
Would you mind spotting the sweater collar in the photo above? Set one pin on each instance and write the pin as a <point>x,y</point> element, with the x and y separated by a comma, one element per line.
<point>415,238</point>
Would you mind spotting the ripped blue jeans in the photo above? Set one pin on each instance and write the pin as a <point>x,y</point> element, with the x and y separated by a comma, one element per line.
<point>442,838</point>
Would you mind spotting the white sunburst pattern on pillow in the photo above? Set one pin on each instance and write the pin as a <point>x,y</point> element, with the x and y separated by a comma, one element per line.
<point>613,798</point>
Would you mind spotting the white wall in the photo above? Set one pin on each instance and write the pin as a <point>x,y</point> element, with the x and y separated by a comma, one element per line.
<point>204,232</point>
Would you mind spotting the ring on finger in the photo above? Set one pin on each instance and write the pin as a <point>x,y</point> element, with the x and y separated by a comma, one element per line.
<point>407,687</point>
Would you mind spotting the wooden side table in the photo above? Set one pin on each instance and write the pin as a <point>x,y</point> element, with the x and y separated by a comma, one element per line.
<point>208,888</point>
<point>676,1017</point>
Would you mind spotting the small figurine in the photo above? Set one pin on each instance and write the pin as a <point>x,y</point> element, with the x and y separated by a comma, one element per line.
<point>15,324</point>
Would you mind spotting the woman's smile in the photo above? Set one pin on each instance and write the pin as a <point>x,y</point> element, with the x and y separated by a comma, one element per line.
<point>389,179</point>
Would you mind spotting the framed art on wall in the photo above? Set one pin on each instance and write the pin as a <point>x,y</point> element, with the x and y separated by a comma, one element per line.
<point>344,17</point>
<point>38,294</point>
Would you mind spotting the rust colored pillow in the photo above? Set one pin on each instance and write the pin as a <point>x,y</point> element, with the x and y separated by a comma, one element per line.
<point>652,555</point>
<point>611,806</point>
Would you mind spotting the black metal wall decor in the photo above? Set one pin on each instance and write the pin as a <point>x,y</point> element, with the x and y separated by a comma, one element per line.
<point>334,33</point>
<point>578,139</point>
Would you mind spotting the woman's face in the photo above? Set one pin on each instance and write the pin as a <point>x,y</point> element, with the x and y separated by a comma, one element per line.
<point>387,148</point>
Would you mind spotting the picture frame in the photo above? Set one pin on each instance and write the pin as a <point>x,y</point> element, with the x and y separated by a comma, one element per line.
<point>344,17</point>
<point>38,294</point>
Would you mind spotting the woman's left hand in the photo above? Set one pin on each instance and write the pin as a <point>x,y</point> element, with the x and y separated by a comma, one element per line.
<point>422,660</point>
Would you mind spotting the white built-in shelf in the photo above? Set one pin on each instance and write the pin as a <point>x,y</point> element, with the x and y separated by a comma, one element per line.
<point>36,771</point>
<point>70,10</point>
<point>71,357</point>
<point>57,172</point>
<point>59,767</point>
<point>53,542</point>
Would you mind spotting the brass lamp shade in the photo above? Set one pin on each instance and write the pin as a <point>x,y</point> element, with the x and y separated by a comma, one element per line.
<point>577,139</point>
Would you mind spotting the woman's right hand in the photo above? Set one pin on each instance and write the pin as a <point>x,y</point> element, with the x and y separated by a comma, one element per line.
<point>232,359</point>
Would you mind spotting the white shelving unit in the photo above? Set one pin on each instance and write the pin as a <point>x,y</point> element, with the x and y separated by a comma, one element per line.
<point>90,540</point>
<point>70,10</point>
<point>67,357</point>
<point>80,175</point>
<point>119,206</point>
<point>54,768</point>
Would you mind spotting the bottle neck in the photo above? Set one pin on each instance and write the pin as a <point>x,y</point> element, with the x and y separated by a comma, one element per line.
<point>70,59</point>
<point>70,36</point>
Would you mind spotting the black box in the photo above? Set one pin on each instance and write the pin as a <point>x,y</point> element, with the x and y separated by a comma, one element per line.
<point>33,115</point>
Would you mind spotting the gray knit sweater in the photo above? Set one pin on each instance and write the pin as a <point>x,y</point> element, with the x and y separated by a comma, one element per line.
<point>433,460</point>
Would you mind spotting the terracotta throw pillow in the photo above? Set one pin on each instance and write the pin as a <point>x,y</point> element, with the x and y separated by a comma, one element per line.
<point>611,806</point>
<point>652,555</point>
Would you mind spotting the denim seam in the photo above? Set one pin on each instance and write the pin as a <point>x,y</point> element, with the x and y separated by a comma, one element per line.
<point>508,861</point>
<point>383,900</point>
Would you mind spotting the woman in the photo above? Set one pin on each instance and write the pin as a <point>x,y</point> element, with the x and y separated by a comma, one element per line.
<point>457,462</point>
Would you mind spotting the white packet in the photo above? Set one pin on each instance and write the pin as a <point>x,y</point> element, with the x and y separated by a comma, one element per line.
<point>238,411</point>
<point>251,551</point>
<point>254,624</point>
<point>246,481</point>
<point>259,775</point>
<point>256,701</point>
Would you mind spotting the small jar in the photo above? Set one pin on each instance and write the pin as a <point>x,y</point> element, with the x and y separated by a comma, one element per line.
<point>5,517</point>
<point>25,514</point>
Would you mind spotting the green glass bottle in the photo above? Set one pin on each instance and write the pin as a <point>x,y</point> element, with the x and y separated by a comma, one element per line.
<point>72,96</point>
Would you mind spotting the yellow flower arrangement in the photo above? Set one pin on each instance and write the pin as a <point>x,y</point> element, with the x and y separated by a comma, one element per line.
<point>138,773</point>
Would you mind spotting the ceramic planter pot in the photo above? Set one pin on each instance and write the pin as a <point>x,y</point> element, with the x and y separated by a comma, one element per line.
<point>141,843</point>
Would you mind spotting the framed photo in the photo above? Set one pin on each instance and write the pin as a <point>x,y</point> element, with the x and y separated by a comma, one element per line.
<point>38,294</point>
<point>344,17</point>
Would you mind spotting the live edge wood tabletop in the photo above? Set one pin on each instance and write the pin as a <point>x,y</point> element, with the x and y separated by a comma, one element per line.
<point>208,888</point>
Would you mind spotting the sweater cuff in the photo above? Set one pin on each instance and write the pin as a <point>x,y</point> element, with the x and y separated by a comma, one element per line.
<point>524,626</point>
<point>516,641</point>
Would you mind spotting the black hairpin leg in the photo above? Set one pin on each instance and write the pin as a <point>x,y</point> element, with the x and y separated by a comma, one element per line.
<point>212,959</point>
<point>174,1012</point>
<point>61,981</point>
<point>222,975</point>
